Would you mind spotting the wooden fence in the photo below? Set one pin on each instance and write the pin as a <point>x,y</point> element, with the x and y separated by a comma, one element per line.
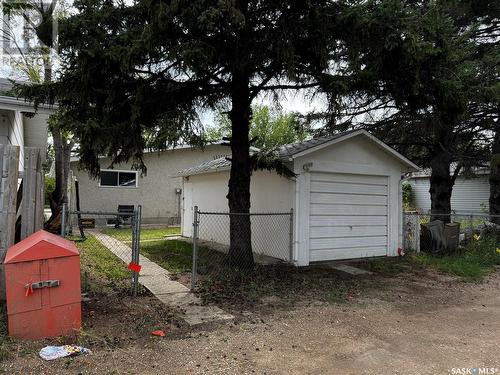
<point>21,197</point>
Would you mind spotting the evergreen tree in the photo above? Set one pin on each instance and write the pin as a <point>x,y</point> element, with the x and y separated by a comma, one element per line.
<point>428,75</point>
<point>151,65</point>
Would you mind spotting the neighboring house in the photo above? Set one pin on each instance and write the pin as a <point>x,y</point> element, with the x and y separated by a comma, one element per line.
<point>21,126</point>
<point>347,197</point>
<point>156,191</point>
<point>470,193</point>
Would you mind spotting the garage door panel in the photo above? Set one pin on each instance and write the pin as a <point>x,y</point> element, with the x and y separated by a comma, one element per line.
<point>350,178</point>
<point>346,253</point>
<point>344,242</point>
<point>348,231</point>
<point>329,221</point>
<point>355,199</point>
<point>347,210</point>
<point>342,188</point>
<point>348,216</point>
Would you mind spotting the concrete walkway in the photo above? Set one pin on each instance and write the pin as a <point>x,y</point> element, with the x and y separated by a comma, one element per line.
<point>172,293</point>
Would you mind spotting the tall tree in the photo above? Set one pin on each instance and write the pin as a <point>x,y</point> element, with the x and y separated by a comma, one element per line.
<point>269,128</point>
<point>430,87</point>
<point>150,65</point>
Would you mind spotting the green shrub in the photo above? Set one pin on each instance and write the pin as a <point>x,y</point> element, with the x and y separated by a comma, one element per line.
<point>50,185</point>
<point>473,264</point>
<point>407,196</point>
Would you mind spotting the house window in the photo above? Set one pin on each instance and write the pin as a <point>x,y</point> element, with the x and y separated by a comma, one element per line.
<point>118,178</point>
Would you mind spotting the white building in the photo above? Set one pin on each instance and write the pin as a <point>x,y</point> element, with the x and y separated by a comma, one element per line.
<point>346,198</point>
<point>470,194</point>
<point>21,126</point>
<point>157,192</point>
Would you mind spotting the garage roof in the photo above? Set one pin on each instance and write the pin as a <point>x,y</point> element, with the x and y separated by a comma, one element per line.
<point>208,166</point>
<point>294,150</point>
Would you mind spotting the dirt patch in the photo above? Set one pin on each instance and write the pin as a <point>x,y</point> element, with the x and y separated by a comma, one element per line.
<point>110,323</point>
<point>418,322</point>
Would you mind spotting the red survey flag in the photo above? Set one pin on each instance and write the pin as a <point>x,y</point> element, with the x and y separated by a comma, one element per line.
<point>134,267</point>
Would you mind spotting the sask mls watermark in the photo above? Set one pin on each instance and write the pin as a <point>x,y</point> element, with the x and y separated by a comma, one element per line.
<point>474,371</point>
<point>29,31</point>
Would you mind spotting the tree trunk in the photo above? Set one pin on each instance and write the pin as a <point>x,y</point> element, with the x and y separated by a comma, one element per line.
<point>59,196</point>
<point>441,187</point>
<point>62,151</point>
<point>495,179</point>
<point>240,249</point>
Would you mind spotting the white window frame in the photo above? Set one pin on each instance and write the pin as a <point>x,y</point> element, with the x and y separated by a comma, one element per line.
<point>118,186</point>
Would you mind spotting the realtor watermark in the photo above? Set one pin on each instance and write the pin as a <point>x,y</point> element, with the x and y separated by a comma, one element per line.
<point>28,31</point>
<point>474,370</point>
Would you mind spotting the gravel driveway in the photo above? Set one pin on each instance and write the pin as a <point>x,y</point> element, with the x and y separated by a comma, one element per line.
<point>422,323</point>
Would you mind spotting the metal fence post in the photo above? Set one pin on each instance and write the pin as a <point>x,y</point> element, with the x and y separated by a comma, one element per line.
<point>416,233</point>
<point>134,245</point>
<point>136,240</point>
<point>291,236</point>
<point>63,220</point>
<point>471,225</point>
<point>194,274</point>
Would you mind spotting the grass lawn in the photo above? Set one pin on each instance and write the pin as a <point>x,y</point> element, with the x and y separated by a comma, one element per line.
<point>102,272</point>
<point>4,338</point>
<point>147,234</point>
<point>473,264</point>
<point>177,256</point>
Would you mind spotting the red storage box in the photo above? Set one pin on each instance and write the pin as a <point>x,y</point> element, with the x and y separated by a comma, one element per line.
<point>42,277</point>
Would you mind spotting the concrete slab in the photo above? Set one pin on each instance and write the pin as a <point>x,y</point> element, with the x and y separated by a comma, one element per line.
<point>350,269</point>
<point>172,293</point>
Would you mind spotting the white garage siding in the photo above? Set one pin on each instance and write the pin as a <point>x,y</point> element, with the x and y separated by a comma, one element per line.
<point>468,196</point>
<point>348,216</point>
<point>268,193</point>
<point>346,197</point>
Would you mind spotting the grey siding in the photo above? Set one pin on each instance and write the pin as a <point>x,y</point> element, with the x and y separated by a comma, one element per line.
<point>469,195</point>
<point>155,190</point>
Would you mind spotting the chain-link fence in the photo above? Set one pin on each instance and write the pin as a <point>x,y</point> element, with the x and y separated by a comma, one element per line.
<point>440,233</point>
<point>108,244</point>
<point>271,241</point>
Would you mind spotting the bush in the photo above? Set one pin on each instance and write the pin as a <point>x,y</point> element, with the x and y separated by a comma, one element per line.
<point>50,185</point>
<point>474,263</point>
<point>407,196</point>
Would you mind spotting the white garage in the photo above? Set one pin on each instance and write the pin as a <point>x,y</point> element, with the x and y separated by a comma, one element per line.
<point>346,196</point>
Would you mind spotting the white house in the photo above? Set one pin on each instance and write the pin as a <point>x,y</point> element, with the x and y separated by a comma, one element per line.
<point>346,197</point>
<point>156,191</point>
<point>470,194</point>
<point>21,126</point>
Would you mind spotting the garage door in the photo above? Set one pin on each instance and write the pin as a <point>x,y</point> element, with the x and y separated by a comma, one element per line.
<point>348,216</point>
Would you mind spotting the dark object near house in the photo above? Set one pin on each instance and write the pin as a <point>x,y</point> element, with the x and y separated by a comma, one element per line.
<point>437,237</point>
<point>432,236</point>
<point>452,236</point>
<point>123,218</point>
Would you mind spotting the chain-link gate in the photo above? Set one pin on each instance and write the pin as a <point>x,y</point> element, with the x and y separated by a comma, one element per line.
<point>112,239</point>
<point>271,240</point>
